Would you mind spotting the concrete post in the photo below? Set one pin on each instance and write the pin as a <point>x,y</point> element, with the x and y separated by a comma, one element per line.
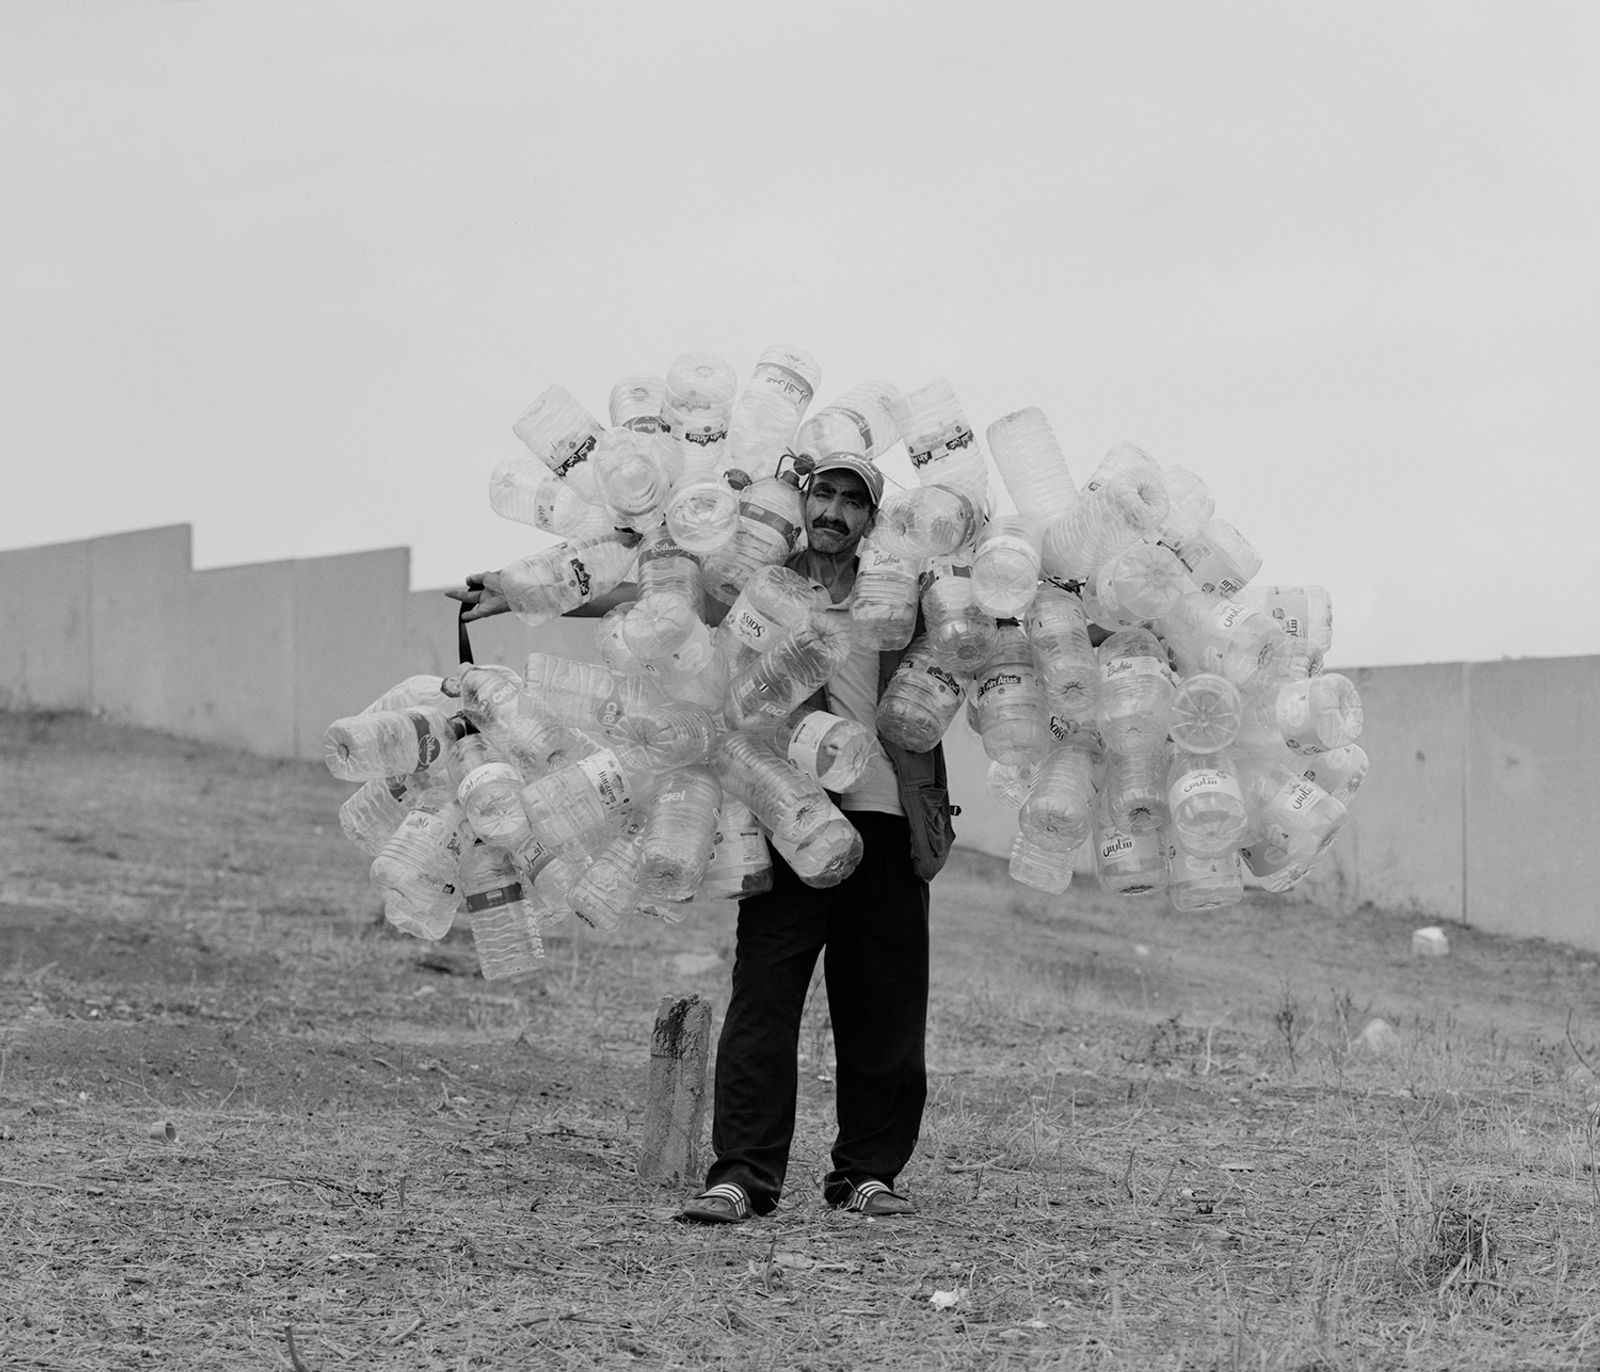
<point>675,1103</point>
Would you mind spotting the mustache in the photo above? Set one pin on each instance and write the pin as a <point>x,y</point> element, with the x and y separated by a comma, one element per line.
<point>830,524</point>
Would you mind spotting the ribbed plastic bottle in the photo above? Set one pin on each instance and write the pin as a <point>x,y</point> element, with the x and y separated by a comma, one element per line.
<point>370,816</point>
<point>582,695</point>
<point>773,602</point>
<point>787,371</point>
<point>680,832</point>
<point>1104,522</point>
<point>883,606</point>
<point>834,750</point>
<point>523,489</point>
<point>1220,560</point>
<point>1058,813</point>
<point>1127,863</point>
<point>927,522</point>
<point>783,798</point>
<point>1189,506</point>
<point>1045,869</point>
<point>1032,465</point>
<point>868,408</point>
<point>631,478</point>
<point>770,525</point>
<point>1222,636</point>
<point>1309,715</point>
<point>575,810</point>
<point>1293,821</point>
<point>419,869</point>
<point>1203,883</point>
<point>959,630</point>
<point>741,864</point>
<point>537,745</point>
<point>1206,803</point>
<point>1136,585</point>
<point>1339,771</point>
<point>635,402</point>
<point>824,855</point>
<point>1135,789</point>
<point>423,688</point>
<point>1206,713</point>
<point>555,580</point>
<point>1006,566</point>
<point>1008,699</point>
<point>609,887</point>
<point>1122,459</point>
<point>487,695</point>
<point>559,432</point>
<point>504,932</point>
<point>1068,665</point>
<point>1136,688</point>
<point>921,699</point>
<point>773,684</point>
<point>669,602</point>
<point>703,511</point>
<point>940,442</point>
<point>1305,612</point>
<point>489,791</point>
<point>761,429</point>
<point>388,743</point>
<point>675,733</point>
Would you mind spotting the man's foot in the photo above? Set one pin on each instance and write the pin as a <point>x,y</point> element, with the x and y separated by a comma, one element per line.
<point>724,1204</point>
<point>874,1198</point>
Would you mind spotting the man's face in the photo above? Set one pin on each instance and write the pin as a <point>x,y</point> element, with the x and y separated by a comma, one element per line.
<point>838,511</point>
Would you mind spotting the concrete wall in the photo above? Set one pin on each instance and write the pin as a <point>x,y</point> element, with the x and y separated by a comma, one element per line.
<point>1477,808</point>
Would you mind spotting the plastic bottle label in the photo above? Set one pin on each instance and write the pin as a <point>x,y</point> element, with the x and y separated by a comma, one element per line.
<point>1124,667</point>
<point>995,688</point>
<point>576,578</point>
<point>609,709</point>
<point>788,383</point>
<point>863,426</point>
<point>486,775</point>
<point>704,438</point>
<point>944,571</point>
<point>1226,615</point>
<point>880,561</point>
<point>428,745</point>
<point>945,682</point>
<point>1206,781</point>
<point>603,771</point>
<point>759,514</point>
<point>1115,846</point>
<point>805,744</point>
<point>578,455</point>
<point>646,424</point>
<point>752,628</point>
<point>936,452</point>
<point>478,901</point>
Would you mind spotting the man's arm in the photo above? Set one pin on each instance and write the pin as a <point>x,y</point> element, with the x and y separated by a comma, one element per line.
<point>483,596</point>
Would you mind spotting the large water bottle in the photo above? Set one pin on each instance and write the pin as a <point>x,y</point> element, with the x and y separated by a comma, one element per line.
<point>783,798</point>
<point>1045,869</point>
<point>680,832</point>
<point>555,580</point>
<point>609,886</point>
<point>388,743</point>
<point>1220,559</point>
<point>787,371</point>
<point>741,864</point>
<point>958,629</point>
<point>824,855</point>
<point>1207,711</point>
<point>669,602</point>
<point>926,522</point>
<point>773,602</point>
<point>1305,612</point>
<point>1032,465</point>
<point>487,695</point>
<point>1339,771</point>
<point>691,672</point>
<point>1008,700</point>
<point>770,525</point>
<point>1206,803</point>
<point>696,402</point>
<point>1127,863</point>
<point>867,408</point>
<point>1105,521</point>
<point>371,815</point>
<point>631,479</point>
<point>1006,566</point>
<point>943,449</point>
<point>419,869</point>
<point>1309,715</point>
<point>636,402</point>
<point>559,432</point>
<point>883,607</point>
<point>491,797</point>
<point>1222,636</point>
<point>921,699</point>
<point>1189,506</point>
<point>1068,665</point>
<point>760,430</point>
<point>673,734</point>
<point>1123,459</point>
<point>772,685</point>
<point>523,489</point>
<point>1136,585</point>
<point>581,807</point>
<point>582,695</point>
<point>505,933</point>
<point>703,514</point>
<point>1135,788</point>
<point>1203,883</point>
<point>835,750</point>
<point>1136,688</point>
<point>1058,813</point>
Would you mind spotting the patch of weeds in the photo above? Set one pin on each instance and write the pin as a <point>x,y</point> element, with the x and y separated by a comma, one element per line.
<point>1463,1248</point>
<point>1290,1022</point>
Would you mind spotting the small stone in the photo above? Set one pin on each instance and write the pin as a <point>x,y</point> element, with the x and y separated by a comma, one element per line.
<point>1430,942</point>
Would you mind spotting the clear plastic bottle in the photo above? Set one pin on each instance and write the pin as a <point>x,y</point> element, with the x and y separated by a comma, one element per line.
<point>1067,662</point>
<point>1220,559</point>
<point>835,750</point>
<point>558,579</point>
<point>760,429</point>
<point>488,695</point>
<point>1058,813</point>
<point>1203,883</point>
<point>1127,863</point>
<point>669,602</point>
<point>1136,585</point>
<point>421,689</point>
<point>676,733</point>
<point>1305,612</point>
<point>867,408</point>
<point>703,514</point>
<point>1045,869</point>
<point>1010,782</point>
<point>1006,566</point>
<point>582,695</point>
<point>1293,821</point>
<point>1339,771</point>
<point>772,685</point>
<point>631,479</point>
<point>1206,713</point>
<point>741,864</point>
<point>523,489</point>
<point>1222,636</point>
<point>636,402</point>
<point>774,601</point>
<point>926,522</point>
<point>1206,803</point>
<point>943,449</point>
<point>537,745</point>
<point>1105,521</point>
<point>824,855</point>
<point>696,402</point>
<point>609,886</point>
<point>921,699</point>
<point>1309,715</point>
<point>388,743</point>
<point>787,801</point>
<point>419,868</point>
<point>576,810</point>
<point>958,630</point>
<point>787,371</point>
<point>1134,706</point>
<point>770,526</point>
<point>1135,787</point>
<point>1123,459</point>
<point>1032,465</point>
<point>883,607</point>
<point>1008,700</point>
<point>489,791</point>
<point>370,816</point>
<point>504,932</point>
<point>559,432</point>
<point>1189,506</point>
<point>680,832</point>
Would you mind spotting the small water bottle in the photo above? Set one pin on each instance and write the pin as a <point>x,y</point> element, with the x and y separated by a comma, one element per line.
<point>741,864</point>
<point>1127,863</point>
<point>921,699</point>
<point>1206,803</point>
<point>1207,711</point>
<point>1058,813</point>
<point>883,606</point>
<point>504,932</point>
<point>370,816</point>
<point>1006,566</point>
<point>868,409</point>
<point>1008,700</point>
<point>1045,869</point>
<point>798,663</point>
<point>926,522</point>
<point>555,580</point>
<point>419,869</point>
<point>680,832</point>
<point>1203,883</point>
<point>958,630</point>
<point>1032,465</point>
<point>559,432</point>
<point>1136,689</point>
<point>388,743</point>
<point>939,441</point>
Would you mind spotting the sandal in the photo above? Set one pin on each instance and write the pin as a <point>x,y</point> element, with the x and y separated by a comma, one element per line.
<point>873,1198</point>
<point>724,1204</point>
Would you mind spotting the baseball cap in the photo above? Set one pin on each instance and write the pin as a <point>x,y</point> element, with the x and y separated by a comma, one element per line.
<point>864,467</point>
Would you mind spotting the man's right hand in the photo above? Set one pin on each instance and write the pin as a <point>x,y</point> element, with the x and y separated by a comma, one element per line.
<point>482,595</point>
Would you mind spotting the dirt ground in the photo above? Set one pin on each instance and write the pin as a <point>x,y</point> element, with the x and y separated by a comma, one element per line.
<point>186,937</point>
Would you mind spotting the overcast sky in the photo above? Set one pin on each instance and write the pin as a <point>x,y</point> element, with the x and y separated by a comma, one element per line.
<point>288,272</point>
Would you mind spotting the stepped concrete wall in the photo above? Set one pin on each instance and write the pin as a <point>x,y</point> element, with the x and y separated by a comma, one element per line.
<point>1477,809</point>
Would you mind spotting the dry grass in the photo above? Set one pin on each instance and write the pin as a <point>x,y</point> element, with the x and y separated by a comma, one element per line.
<point>1168,1158</point>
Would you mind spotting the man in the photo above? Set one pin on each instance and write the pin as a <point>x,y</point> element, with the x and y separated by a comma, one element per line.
<point>871,930</point>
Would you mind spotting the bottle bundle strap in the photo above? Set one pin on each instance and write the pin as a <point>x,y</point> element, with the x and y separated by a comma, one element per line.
<point>463,639</point>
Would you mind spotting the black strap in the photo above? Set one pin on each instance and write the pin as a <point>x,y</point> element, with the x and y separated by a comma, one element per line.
<point>465,643</point>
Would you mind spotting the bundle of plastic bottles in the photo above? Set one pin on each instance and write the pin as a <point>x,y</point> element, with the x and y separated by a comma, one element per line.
<point>1132,685</point>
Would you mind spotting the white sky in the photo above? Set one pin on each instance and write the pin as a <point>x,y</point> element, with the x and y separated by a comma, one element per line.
<point>289,271</point>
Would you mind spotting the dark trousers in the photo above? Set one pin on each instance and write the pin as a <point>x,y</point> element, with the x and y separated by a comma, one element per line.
<point>874,928</point>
